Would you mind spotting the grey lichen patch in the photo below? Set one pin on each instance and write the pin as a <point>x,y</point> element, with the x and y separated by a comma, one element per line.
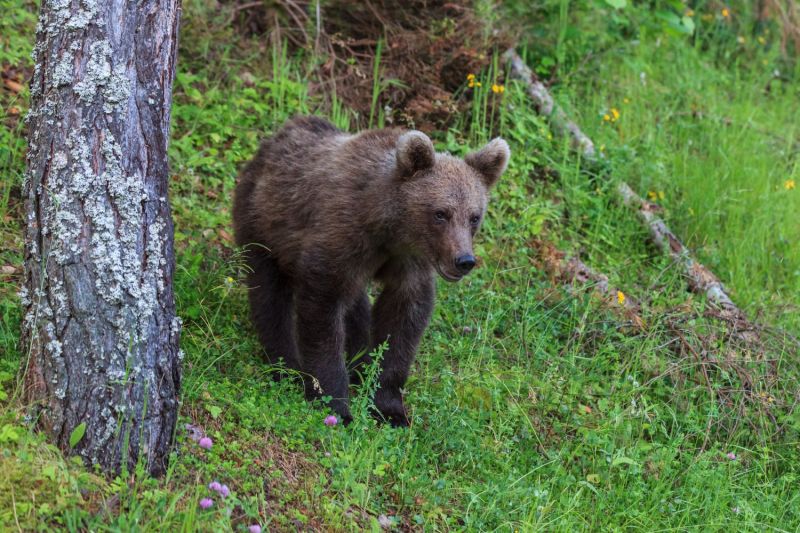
<point>100,79</point>
<point>83,16</point>
<point>97,73</point>
<point>52,346</point>
<point>59,299</point>
<point>117,90</point>
<point>22,294</point>
<point>60,161</point>
<point>63,72</point>
<point>106,431</point>
<point>67,226</point>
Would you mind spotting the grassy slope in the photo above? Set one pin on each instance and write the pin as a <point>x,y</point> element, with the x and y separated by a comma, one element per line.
<point>532,407</point>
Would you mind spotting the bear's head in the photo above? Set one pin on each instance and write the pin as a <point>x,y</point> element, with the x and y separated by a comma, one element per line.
<point>444,199</point>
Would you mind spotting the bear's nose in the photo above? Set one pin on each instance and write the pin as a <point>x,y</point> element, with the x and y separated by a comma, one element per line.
<point>465,263</point>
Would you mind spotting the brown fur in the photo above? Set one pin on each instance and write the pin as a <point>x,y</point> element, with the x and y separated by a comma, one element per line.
<point>321,213</point>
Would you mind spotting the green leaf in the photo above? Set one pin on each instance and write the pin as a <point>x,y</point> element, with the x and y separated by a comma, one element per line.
<point>617,4</point>
<point>9,433</point>
<point>688,23</point>
<point>622,461</point>
<point>49,472</point>
<point>675,23</point>
<point>214,411</point>
<point>77,434</point>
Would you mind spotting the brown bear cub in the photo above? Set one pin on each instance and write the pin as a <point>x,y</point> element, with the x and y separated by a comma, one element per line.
<point>321,213</point>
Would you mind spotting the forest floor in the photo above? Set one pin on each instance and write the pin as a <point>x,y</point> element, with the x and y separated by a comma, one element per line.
<point>536,405</point>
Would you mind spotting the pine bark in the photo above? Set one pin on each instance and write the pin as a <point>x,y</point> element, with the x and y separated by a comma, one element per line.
<point>100,331</point>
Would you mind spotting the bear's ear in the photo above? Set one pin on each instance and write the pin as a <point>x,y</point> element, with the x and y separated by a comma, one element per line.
<point>490,161</point>
<point>414,153</point>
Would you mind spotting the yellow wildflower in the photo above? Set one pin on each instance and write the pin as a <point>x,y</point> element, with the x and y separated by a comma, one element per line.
<point>477,84</point>
<point>726,12</point>
<point>498,89</point>
<point>614,114</point>
<point>789,184</point>
<point>470,77</point>
<point>606,117</point>
<point>620,297</point>
<point>689,13</point>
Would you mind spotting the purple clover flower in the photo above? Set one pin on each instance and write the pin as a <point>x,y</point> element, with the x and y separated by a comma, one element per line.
<point>205,443</point>
<point>331,420</point>
<point>205,503</point>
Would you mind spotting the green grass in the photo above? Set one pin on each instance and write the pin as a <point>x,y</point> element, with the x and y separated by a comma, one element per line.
<point>534,407</point>
<point>722,150</point>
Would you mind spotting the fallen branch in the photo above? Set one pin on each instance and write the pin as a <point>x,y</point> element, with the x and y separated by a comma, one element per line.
<point>546,106</point>
<point>571,270</point>
<point>700,279</point>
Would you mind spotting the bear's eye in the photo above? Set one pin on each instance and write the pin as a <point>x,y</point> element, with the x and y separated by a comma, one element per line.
<point>440,216</point>
<point>474,220</point>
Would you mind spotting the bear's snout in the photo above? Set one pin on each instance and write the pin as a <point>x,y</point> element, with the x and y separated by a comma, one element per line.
<point>465,263</point>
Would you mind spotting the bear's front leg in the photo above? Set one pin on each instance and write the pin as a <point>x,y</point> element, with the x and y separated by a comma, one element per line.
<point>400,315</point>
<point>320,339</point>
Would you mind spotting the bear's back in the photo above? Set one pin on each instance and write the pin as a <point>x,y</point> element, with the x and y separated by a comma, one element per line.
<point>310,180</point>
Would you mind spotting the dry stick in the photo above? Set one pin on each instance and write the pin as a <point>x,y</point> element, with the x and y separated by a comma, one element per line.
<point>546,106</point>
<point>701,279</point>
<point>569,269</point>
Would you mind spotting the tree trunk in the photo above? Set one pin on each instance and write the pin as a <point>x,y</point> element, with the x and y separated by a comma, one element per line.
<point>100,329</point>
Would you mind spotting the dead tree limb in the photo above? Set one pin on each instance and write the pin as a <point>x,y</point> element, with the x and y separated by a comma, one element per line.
<point>572,271</point>
<point>700,279</point>
<point>546,106</point>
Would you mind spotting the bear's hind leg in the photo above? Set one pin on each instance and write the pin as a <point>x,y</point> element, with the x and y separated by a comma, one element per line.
<point>321,342</point>
<point>357,344</point>
<point>270,294</point>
